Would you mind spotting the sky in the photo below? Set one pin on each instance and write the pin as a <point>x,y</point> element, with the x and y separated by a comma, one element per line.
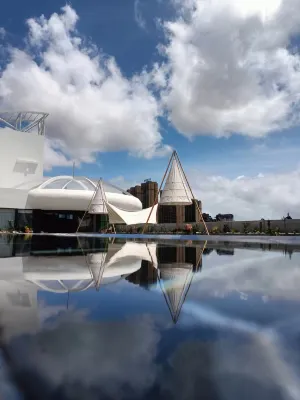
<point>126,81</point>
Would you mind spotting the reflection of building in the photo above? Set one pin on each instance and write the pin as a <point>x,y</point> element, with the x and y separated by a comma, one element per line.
<point>59,265</point>
<point>18,308</point>
<point>68,264</point>
<point>181,254</point>
<point>146,276</point>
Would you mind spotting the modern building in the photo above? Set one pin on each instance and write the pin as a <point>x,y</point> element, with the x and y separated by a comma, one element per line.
<point>147,193</point>
<point>55,204</point>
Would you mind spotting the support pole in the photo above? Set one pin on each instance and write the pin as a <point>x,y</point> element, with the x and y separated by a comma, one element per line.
<point>197,205</point>
<point>92,198</point>
<point>156,199</point>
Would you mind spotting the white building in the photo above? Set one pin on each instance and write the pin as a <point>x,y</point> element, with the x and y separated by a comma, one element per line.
<point>49,204</point>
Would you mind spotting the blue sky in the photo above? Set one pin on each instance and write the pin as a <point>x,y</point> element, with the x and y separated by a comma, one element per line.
<point>223,121</point>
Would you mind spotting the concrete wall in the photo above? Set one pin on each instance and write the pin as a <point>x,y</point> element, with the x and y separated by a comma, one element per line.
<point>286,226</point>
<point>21,157</point>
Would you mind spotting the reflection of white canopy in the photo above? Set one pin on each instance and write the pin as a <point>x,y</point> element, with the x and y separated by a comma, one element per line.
<point>175,280</point>
<point>176,190</point>
<point>82,272</point>
<point>118,216</point>
<point>140,251</point>
<point>96,262</point>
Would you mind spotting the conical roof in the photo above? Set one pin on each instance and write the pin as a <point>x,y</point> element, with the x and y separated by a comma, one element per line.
<point>98,204</point>
<point>176,190</point>
<point>175,280</point>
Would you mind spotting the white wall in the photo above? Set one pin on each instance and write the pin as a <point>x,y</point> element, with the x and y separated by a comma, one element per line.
<point>13,198</point>
<point>17,149</point>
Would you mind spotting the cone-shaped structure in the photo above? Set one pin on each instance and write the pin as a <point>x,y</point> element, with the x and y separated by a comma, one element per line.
<point>176,190</point>
<point>96,263</point>
<point>175,280</point>
<point>98,204</point>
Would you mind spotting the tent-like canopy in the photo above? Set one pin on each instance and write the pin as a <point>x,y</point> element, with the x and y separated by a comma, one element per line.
<point>100,205</point>
<point>118,216</point>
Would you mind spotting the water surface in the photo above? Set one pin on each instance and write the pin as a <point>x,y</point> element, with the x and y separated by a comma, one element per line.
<point>98,318</point>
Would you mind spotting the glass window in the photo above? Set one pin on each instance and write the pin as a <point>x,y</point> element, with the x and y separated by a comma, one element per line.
<point>87,184</point>
<point>74,185</point>
<point>57,184</point>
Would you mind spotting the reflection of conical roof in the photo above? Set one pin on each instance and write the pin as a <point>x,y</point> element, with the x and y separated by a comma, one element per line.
<point>96,263</point>
<point>176,190</point>
<point>98,204</point>
<point>175,280</point>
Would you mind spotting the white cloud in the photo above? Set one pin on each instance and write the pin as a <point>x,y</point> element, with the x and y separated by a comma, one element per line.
<point>54,157</point>
<point>138,17</point>
<point>249,198</point>
<point>2,32</point>
<point>92,106</point>
<point>231,67</point>
<point>122,182</point>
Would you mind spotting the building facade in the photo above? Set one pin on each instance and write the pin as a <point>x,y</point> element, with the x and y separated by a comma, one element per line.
<point>44,204</point>
<point>147,193</point>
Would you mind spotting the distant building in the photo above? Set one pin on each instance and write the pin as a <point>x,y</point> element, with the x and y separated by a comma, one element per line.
<point>218,217</point>
<point>146,192</point>
<point>224,217</point>
<point>207,217</point>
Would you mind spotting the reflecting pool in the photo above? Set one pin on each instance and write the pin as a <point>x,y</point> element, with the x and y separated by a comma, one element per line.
<point>103,318</point>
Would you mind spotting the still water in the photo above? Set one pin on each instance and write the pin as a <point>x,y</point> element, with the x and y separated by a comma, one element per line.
<point>86,318</point>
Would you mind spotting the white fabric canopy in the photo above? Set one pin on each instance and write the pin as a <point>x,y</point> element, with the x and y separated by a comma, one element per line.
<point>176,190</point>
<point>118,216</point>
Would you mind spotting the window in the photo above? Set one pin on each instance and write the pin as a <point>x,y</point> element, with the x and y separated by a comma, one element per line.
<point>167,214</point>
<point>57,184</point>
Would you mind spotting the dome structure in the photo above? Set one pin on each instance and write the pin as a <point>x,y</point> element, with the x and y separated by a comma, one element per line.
<point>74,193</point>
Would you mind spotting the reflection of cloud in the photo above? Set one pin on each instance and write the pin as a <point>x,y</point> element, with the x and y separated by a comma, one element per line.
<point>228,369</point>
<point>269,274</point>
<point>84,356</point>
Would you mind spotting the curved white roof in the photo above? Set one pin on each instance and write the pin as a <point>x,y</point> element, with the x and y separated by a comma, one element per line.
<point>74,193</point>
<point>79,183</point>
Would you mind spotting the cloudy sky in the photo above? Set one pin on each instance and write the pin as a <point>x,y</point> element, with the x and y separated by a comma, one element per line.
<point>125,81</point>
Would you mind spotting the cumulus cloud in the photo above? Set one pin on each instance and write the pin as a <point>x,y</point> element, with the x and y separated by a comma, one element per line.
<point>268,196</point>
<point>231,67</point>
<point>67,357</point>
<point>93,107</point>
